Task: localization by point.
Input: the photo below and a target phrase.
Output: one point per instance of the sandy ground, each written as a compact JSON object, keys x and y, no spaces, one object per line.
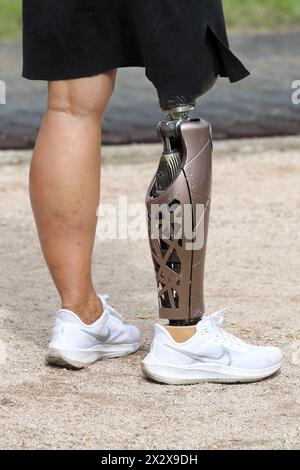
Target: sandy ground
{"x":253,"y":267}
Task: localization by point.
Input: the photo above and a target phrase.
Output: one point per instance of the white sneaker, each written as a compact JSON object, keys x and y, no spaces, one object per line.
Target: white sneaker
{"x":211,"y":355}
{"x":75,"y":344}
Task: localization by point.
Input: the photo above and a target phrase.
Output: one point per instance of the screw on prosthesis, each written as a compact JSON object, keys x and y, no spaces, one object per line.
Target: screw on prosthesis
{"x":177,"y":107}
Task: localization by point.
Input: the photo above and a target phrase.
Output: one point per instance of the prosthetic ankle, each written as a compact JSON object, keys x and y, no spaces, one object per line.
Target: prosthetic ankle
{"x":178,"y":207}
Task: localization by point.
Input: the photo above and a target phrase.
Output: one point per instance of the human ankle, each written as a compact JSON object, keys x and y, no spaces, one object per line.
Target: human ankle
{"x":89,"y":309}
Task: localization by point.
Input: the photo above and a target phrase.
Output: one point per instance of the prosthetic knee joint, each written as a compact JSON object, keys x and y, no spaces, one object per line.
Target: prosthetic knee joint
{"x":178,"y":206}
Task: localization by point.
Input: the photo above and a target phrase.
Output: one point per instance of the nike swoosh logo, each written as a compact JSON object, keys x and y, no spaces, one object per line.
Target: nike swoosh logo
{"x":98,"y":337}
{"x":199,"y":357}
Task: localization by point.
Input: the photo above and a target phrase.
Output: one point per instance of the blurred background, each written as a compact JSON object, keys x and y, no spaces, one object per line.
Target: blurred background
{"x":265,"y":34}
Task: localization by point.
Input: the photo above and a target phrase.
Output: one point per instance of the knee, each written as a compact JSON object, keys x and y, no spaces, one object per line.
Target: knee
{"x":83,"y":98}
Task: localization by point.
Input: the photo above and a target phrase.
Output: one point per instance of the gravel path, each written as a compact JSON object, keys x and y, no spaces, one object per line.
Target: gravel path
{"x":253,"y":267}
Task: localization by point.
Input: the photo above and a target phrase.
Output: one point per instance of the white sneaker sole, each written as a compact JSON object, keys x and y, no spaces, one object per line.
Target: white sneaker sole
{"x":179,"y":375}
{"x":84,"y":358}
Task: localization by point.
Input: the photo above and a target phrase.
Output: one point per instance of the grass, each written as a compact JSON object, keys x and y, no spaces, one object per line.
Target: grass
{"x":240,"y":14}
{"x":10,"y":19}
{"x":262,"y":14}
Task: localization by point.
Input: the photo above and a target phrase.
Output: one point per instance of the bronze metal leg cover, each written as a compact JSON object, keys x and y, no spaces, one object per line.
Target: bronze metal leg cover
{"x":180,"y":271}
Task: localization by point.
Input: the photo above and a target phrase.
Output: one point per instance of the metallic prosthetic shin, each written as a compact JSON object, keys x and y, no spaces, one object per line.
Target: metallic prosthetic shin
{"x":181,"y":186}
{"x":178,"y":206}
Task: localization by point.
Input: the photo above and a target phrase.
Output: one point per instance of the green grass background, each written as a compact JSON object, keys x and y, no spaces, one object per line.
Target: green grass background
{"x":240,"y":14}
{"x":10,"y":19}
{"x":262,"y":14}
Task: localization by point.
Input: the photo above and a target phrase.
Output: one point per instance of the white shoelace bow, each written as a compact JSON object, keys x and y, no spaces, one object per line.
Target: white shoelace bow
{"x":218,"y":316}
{"x":216,"y":320}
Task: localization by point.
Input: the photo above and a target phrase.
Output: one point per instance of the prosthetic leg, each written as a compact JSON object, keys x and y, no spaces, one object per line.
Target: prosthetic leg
{"x":180,"y":194}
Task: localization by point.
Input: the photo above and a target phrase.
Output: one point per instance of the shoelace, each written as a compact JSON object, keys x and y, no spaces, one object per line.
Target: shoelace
{"x":111,"y":310}
{"x":216,"y":320}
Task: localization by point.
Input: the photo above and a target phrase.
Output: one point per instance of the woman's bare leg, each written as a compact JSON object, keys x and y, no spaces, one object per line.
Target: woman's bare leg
{"x":65,"y":186}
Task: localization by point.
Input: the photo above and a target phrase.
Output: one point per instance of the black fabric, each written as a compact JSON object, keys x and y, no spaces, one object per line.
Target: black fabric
{"x":64,"y":39}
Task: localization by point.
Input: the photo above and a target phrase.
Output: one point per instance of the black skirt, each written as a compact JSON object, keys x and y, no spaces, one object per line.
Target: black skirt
{"x":67,"y":39}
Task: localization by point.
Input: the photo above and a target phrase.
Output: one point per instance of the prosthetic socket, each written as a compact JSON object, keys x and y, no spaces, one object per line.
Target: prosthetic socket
{"x":178,"y":206}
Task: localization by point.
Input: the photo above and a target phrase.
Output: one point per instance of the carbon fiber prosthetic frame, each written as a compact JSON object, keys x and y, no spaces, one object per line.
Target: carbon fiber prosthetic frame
{"x":178,"y":206}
